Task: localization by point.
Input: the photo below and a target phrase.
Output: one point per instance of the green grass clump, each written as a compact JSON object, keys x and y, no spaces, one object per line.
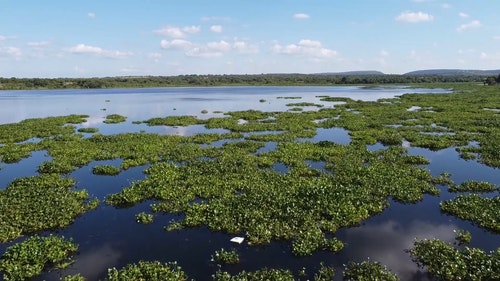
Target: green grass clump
{"x":148,"y":270}
{"x":144,"y":218}
{"x":225,"y":257}
{"x":88,"y":130}
{"x":31,"y":257}
{"x":40,"y":202}
{"x":473,"y":186}
{"x":262,"y":274}
{"x":114,"y":119}
{"x":106,"y":170}
{"x":173,"y":121}
{"x":480,"y":210}
{"x":447,"y":263}
{"x":367,"y":271}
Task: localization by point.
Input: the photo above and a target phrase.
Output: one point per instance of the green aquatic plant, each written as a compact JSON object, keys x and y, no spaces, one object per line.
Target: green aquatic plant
{"x":367,"y":271}
{"x":148,"y":270}
{"x":448,"y":263}
{"x":473,"y":186}
{"x":106,"y":170}
{"x":88,"y":130}
{"x":480,"y":210}
{"x":173,"y":121}
{"x":31,"y":257}
{"x":223,"y":256}
{"x":114,"y":119}
{"x":262,"y":274}
{"x":144,"y":218}
{"x":25,"y":207}
{"x":463,"y":236}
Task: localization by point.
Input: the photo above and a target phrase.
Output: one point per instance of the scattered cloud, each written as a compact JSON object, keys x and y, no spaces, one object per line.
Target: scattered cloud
{"x":463,"y":15}
{"x":414,"y":17}
{"x":384,"y":53}
{"x":11,"y":51}
{"x":421,"y":1}
{"x":490,"y":57}
{"x":305,"y":47}
{"x":496,"y":37}
{"x":87,"y":49}
{"x":245,"y":48}
{"x":38,"y":44}
{"x":91,"y":15}
{"x":179,"y":44}
{"x":446,"y":6}
{"x":216,"y":28}
{"x":301,"y":16}
{"x":178,"y":32}
{"x":470,"y":25}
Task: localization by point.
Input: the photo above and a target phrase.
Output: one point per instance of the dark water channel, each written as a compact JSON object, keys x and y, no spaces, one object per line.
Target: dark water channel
{"x":110,"y":237}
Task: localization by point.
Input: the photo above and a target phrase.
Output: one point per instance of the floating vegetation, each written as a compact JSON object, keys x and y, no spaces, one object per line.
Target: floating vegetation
{"x":204,"y":111}
{"x":366,"y":271}
{"x":173,"y":121}
{"x":262,"y":274}
{"x":480,"y":210}
{"x":447,"y":263}
{"x":473,"y":186}
{"x":31,"y":257}
{"x":25,"y":207}
{"x":463,"y":236}
{"x":304,"y":104}
{"x":114,"y":119}
{"x":108,"y":170}
{"x":144,"y":218}
{"x":226,"y":257}
{"x":88,"y":130}
{"x":148,"y":270}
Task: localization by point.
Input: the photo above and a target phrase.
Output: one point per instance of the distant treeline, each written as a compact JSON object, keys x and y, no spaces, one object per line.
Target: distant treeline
{"x":225,"y":80}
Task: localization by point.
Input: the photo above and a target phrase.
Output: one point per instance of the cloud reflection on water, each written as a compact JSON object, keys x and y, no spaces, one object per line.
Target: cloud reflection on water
{"x":386,"y":243}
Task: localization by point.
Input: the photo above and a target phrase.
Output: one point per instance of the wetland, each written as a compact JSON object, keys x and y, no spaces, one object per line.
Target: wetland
{"x":321,"y":183}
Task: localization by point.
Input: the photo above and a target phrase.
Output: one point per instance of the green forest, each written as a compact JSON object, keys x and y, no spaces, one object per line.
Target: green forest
{"x":233,"y":80}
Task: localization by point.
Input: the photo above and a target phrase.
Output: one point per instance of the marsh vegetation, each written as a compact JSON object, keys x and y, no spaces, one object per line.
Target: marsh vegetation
{"x":261,"y":175}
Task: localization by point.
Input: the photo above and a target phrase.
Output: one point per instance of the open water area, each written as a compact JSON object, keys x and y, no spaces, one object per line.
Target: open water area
{"x":110,"y":237}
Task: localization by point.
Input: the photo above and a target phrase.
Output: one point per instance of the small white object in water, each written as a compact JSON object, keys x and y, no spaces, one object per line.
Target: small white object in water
{"x":238,"y":240}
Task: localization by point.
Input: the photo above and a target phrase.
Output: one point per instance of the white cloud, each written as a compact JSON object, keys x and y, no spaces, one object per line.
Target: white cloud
{"x":305,"y":47}
{"x":87,"y":49}
{"x":384,"y":53}
{"x":245,"y":48}
{"x":91,"y":15}
{"x":414,"y":17}
{"x":446,"y":6}
{"x":301,"y":16}
{"x":11,"y":51}
{"x":38,"y":44}
{"x":463,"y":15}
{"x":178,"y":32}
{"x":209,"y":50}
{"x":216,"y":28}
{"x":496,"y":37}
{"x":490,"y":57}
{"x":472,"y":24}
{"x":155,"y":55}
{"x":421,"y":1}
{"x":176,"y":44}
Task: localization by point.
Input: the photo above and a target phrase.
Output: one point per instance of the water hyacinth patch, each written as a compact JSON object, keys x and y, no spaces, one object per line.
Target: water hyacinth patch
{"x":29,"y":258}
{"x":223,"y":256}
{"x":24,"y":208}
{"x":447,"y":263}
{"x":480,"y":210}
{"x":114,"y":119}
{"x":106,"y":170}
{"x":148,"y":270}
{"x":366,"y":271}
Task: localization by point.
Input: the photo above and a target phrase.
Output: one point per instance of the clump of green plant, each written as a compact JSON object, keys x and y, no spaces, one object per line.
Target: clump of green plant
{"x":148,"y":270}
{"x":223,"y":256}
{"x":304,"y":104}
{"x":173,"y":121}
{"x":480,"y":210}
{"x":76,"y":277}
{"x":262,"y":274}
{"x":325,"y":273}
{"x":114,"y":119}
{"x":463,"y":236}
{"x":144,"y":218}
{"x":88,"y":130}
{"x":447,"y":263}
{"x":204,"y":111}
{"x":366,"y":271}
{"x":31,"y":257}
{"x":106,"y":170}
{"x":25,"y":206}
{"x":473,"y":186}
{"x":262,"y":100}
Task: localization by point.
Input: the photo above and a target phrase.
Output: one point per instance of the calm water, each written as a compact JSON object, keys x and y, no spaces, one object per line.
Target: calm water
{"x":110,"y":237}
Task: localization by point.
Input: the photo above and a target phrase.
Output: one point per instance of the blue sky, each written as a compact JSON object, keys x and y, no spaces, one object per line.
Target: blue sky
{"x":97,"y":38}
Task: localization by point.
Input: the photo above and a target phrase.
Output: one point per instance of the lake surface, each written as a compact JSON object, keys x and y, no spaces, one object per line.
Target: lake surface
{"x":110,"y":237}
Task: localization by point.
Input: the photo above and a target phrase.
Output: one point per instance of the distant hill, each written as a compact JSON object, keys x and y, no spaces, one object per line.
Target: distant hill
{"x":454,"y":72}
{"x":354,"y":73}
